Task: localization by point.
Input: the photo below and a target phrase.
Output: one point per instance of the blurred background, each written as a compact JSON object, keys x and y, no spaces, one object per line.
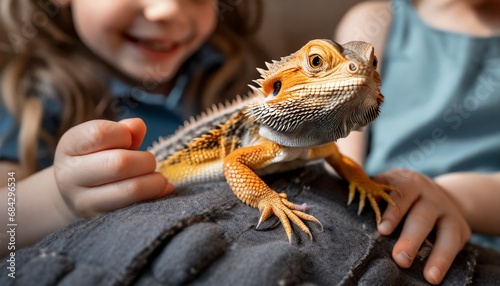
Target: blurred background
{"x":287,"y":24}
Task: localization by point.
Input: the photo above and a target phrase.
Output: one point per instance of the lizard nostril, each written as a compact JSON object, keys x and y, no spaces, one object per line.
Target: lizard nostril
{"x":353,"y":67}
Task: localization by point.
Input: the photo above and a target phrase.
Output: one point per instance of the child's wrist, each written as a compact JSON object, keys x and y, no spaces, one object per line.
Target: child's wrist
{"x":64,"y":211}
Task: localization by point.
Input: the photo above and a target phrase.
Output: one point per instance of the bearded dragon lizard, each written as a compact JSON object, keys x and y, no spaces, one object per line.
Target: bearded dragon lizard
{"x":302,"y":105}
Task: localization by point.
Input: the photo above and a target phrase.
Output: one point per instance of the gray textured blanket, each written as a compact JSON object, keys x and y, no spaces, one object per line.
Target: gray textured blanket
{"x":205,"y":236}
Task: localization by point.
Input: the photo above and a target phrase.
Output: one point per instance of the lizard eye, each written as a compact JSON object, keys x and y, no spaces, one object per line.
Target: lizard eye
{"x":375,"y":62}
{"x":276,"y":87}
{"x":315,"y":61}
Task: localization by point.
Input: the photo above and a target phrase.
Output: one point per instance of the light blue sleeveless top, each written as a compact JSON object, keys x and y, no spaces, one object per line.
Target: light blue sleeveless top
{"x":441,"y":111}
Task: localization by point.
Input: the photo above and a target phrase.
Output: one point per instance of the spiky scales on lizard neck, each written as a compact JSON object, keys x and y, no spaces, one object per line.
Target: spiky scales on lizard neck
{"x":303,"y":103}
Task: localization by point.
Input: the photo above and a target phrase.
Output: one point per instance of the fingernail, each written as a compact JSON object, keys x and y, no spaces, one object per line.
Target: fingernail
{"x":126,"y":120}
{"x":169,"y":188}
{"x":403,"y":259}
{"x":385,"y":227}
{"x":435,"y":273}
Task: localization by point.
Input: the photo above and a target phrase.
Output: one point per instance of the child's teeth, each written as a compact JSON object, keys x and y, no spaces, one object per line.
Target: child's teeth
{"x":156,"y":46}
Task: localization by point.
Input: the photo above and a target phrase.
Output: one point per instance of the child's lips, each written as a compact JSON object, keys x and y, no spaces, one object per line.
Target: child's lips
{"x":153,"y":45}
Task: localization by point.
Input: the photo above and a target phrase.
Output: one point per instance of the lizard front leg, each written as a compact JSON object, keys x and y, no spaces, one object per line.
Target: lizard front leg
{"x":250,"y":189}
{"x":357,"y":178}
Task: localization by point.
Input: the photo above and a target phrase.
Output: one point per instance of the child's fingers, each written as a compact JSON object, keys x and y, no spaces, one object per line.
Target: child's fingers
{"x":137,"y":129}
{"x":418,"y":225}
{"x":120,"y":194}
{"x":110,"y":166}
{"x":446,"y":247}
{"x":392,"y":216}
{"x":94,"y":136}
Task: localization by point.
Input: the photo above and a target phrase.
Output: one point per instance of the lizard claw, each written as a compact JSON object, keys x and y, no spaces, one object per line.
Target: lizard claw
{"x":286,"y":211}
{"x":303,"y":207}
{"x":371,"y":190}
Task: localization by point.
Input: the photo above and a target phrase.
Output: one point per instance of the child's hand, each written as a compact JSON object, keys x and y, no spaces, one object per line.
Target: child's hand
{"x":97,"y":168}
{"x":427,"y":206}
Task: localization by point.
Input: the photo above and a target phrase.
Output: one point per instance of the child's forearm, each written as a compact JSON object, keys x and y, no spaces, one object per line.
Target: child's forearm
{"x":39,"y":210}
{"x":478,"y":196}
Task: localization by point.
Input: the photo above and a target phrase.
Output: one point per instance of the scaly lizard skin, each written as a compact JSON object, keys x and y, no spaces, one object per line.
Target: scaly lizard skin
{"x":302,"y":105}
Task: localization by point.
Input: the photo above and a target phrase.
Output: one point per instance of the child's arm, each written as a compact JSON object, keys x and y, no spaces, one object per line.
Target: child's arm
{"x":478,"y":196}
{"x":96,"y":170}
{"x":357,"y":25}
{"x":7,"y":166}
{"x":39,"y":209}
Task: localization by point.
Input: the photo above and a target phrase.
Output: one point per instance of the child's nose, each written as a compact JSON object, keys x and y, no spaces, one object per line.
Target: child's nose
{"x":159,"y":10}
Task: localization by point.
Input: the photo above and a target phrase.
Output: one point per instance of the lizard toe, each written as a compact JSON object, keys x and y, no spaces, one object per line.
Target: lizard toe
{"x":286,"y":211}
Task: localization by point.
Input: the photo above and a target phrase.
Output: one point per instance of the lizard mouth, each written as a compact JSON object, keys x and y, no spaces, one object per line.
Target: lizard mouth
{"x":317,"y":117}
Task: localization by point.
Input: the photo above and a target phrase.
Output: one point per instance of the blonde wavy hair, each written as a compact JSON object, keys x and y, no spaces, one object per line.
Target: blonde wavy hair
{"x":49,"y":59}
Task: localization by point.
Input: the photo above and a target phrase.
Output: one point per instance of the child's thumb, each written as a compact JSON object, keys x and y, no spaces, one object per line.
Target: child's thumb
{"x":137,"y":129}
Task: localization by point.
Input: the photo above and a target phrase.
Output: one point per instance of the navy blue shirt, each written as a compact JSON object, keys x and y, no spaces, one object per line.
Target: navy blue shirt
{"x":162,"y":114}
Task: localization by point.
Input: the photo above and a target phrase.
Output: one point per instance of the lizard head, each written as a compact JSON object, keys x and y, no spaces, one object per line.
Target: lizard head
{"x":317,"y":94}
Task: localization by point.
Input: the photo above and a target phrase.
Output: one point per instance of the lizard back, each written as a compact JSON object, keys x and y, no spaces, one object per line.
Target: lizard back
{"x":196,"y":127}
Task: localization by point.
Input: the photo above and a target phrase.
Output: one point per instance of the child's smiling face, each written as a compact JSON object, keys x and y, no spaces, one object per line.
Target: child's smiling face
{"x":144,"y":39}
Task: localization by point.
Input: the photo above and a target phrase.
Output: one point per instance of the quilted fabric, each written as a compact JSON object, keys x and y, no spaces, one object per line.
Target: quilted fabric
{"x":205,"y":236}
